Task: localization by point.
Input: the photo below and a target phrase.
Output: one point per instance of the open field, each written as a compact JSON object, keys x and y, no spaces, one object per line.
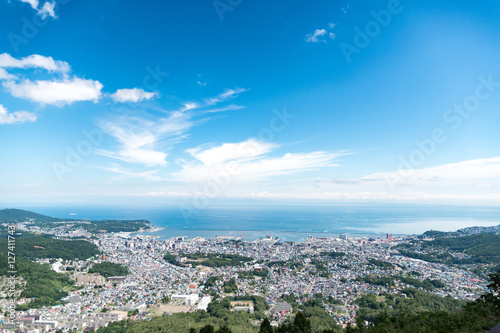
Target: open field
{"x":171,"y":309}
{"x":242,"y":303}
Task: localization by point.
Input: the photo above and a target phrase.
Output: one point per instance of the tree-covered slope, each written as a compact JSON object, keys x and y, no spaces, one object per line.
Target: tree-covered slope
{"x":11,"y":215}
{"x":108,"y":269}
{"x":43,"y":284}
{"x":94,"y":226}
{"x":31,"y":246}
{"x":482,"y":248}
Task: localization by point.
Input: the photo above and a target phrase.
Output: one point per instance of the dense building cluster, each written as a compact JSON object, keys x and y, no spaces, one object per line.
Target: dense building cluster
{"x":283,"y":273}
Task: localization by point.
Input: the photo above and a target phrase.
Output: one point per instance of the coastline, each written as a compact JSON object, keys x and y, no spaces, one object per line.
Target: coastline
{"x":251,"y":235}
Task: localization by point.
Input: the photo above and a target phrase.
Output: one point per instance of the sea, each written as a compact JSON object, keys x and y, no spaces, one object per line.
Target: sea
{"x":288,"y":222}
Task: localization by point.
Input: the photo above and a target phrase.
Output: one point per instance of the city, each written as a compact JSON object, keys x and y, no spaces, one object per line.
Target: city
{"x":335,"y":268}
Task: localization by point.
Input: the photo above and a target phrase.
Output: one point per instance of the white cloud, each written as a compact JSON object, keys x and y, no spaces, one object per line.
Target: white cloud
{"x":147,"y":157}
{"x":189,"y":106}
{"x":454,"y":173}
{"x":231,"y":93}
{"x":383,"y":196}
{"x":332,"y":35}
{"x":34,"y":61}
{"x":139,"y":137}
{"x":17,"y":117}
{"x":200,"y":82}
{"x":231,"y":151}
{"x":46,"y":10}
{"x":212,"y":101}
{"x":33,"y":3}
{"x":149,"y":175}
{"x":4,"y":75}
{"x":226,"y":95}
{"x":472,"y":180}
{"x":57,"y":92}
{"x":358,"y":196}
{"x":144,"y":139}
{"x":314,"y":37}
{"x":133,"y":95}
{"x":231,"y":107}
{"x":247,"y":161}
{"x":162,"y":194}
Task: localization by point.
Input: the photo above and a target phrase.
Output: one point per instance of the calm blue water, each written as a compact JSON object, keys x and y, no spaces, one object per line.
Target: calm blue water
{"x":290,"y":222}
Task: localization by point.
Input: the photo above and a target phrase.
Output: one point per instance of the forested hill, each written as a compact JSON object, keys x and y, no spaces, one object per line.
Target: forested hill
{"x":31,"y":246}
{"x":463,"y":232}
{"x":481,"y":230}
{"x":18,"y":215}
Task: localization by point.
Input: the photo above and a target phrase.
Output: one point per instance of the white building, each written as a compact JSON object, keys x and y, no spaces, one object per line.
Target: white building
{"x":205,"y":300}
{"x":186,"y":299}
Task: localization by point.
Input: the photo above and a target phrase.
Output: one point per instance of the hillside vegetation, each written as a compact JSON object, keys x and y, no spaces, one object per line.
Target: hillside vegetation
{"x":417,"y":312}
{"x":207,"y":259}
{"x":45,"y":285}
{"x":482,"y":248}
{"x":31,"y":246}
{"x":108,"y":269}
{"x":93,"y":226}
{"x":11,"y":215}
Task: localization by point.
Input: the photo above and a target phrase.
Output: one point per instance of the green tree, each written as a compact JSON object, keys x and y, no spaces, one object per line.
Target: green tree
{"x":493,"y":295}
{"x":223,"y":329}
{"x":207,"y":329}
{"x":301,"y":324}
{"x":265,"y":326}
{"x":108,"y":269}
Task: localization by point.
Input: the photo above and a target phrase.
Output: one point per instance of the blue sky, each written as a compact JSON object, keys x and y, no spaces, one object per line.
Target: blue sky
{"x":340,"y":101}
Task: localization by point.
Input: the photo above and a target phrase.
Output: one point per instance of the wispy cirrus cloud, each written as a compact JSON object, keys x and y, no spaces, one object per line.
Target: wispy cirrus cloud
{"x":207,"y":105}
{"x":226,"y":95}
{"x":146,"y":139}
{"x":187,"y":106}
{"x":375,"y":196}
{"x":477,"y":170}
{"x":17,"y":117}
{"x":249,"y":161}
{"x":231,"y":107}
{"x":143,"y":139}
{"x":361,"y":197}
{"x":123,"y":174}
